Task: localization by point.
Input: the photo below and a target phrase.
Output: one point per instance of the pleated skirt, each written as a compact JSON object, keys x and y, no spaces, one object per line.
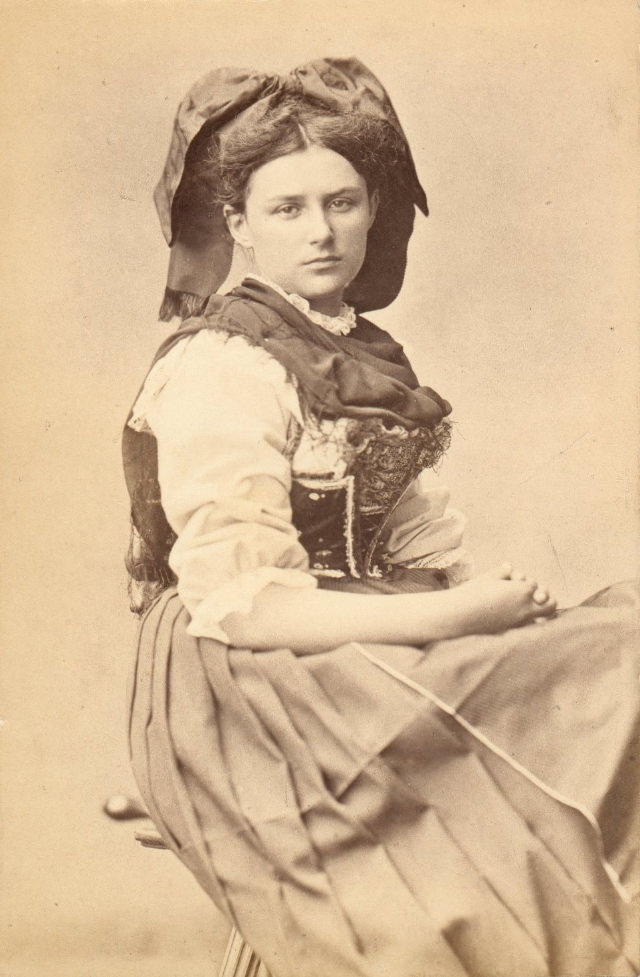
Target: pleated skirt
{"x":466,"y":809}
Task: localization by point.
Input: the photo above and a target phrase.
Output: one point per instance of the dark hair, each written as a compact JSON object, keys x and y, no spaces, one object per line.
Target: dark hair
{"x":370,"y":144}
{"x":221,"y":166}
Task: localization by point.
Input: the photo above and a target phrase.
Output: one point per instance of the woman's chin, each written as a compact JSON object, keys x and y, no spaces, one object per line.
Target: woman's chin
{"x":322,"y":288}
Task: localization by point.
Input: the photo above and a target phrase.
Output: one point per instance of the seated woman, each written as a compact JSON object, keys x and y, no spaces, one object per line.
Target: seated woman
{"x":375,"y":766}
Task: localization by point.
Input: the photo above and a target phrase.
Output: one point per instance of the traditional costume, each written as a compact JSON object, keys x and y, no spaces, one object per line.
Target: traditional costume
{"x":465,"y":809}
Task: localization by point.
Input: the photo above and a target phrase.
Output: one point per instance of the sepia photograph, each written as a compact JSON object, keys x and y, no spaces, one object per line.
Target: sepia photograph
{"x":319,"y":615}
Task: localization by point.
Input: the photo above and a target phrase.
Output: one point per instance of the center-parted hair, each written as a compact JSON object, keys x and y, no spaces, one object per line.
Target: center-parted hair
{"x":225,"y":163}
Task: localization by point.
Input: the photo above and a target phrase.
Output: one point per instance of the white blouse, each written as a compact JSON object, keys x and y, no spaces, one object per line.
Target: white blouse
{"x":231,"y":436}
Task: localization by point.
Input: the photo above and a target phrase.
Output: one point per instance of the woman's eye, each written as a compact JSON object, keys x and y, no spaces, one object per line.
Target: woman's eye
{"x":288,"y":210}
{"x":341,"y":203}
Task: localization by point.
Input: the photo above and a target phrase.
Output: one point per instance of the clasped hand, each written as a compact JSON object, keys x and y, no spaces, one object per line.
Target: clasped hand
{"x":501,"y":599}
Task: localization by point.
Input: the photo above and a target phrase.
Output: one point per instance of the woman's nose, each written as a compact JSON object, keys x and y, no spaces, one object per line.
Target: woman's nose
{"x":319,"y":227}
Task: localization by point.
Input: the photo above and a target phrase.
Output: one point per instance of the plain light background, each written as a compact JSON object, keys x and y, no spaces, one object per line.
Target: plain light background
{"x":520,"y":306}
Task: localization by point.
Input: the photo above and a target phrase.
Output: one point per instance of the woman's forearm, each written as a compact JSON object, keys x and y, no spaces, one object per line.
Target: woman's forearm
{"x":310,"y":621}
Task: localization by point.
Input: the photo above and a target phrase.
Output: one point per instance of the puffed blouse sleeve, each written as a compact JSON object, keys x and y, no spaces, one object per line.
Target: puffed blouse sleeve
{"x":425,"y":531}
{"x":222,"y":412}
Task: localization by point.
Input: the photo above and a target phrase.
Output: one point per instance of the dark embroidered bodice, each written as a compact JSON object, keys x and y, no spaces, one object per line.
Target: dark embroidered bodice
{"x":341,"y":520}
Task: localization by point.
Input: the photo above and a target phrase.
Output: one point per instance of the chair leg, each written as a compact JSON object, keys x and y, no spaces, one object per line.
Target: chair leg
{"x":240,"y":960}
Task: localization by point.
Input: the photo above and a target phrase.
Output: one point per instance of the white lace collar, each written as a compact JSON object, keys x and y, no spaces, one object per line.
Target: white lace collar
{"x":339,"y":325}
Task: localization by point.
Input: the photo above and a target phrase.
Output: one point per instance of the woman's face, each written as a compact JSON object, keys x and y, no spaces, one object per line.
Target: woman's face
{"x":306,"y":219}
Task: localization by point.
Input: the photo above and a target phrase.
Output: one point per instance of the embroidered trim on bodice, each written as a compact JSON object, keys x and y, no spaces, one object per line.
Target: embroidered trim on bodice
{"x":341,"y":512}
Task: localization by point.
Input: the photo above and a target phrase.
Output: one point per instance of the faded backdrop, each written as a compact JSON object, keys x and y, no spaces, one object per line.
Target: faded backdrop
{"x":520,"y":306}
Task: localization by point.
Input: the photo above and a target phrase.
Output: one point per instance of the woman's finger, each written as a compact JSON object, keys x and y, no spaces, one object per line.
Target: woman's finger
{"x":548,"y":609}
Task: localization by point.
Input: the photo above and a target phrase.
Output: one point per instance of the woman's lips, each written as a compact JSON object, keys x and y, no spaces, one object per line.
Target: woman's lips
{"x":325,"y":262}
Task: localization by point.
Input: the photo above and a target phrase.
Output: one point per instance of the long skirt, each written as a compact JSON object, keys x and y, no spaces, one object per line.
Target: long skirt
{"x":465,"y":809}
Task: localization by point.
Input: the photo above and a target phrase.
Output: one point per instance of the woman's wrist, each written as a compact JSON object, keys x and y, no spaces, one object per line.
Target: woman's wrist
{"x":437,"y":616}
